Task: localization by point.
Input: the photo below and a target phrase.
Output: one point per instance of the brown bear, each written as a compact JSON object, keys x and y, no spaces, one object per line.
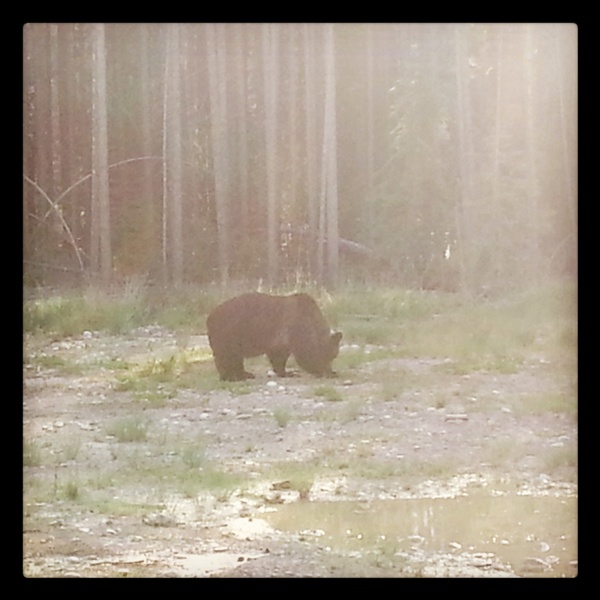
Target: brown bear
{"x":254,"y":324}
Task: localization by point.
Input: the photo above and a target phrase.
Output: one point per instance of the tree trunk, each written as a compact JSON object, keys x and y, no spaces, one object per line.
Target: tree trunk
{"x":370,"y":117}
{"x":568,"y":123}
{"x":174,"y":160}
{"x":147,"y":185}
{"x":270,"y":93}
{"x":101,"y":257}
{"x":312,"y":182}
{"x":218,"y":133}
{"x":496,"y":230}
{"x":462,"y":210}
{"x":55,"y":103}
{"x":330,"y":152}
{"x":533,"y":231}
{"x":243,"y":153}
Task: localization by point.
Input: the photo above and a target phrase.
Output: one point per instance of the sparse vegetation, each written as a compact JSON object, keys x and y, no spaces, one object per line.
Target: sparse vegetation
{"x":129,"y":429}
{"x":70,"y":315}
{"x":473,"y":335}
{"x":547,"y":403}
{"x":71,"y":448}
{"x":282,"y":416}
{"x":328,"y":392}
{"x":298,"y":475}
{"x":71,"y":490}
{"x":561,"y":457}
{"x":157,"y":431}
{"x":32,"y":455}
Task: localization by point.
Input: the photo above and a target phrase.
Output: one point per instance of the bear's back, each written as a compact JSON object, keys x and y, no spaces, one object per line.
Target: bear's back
{"x":249,"y":322}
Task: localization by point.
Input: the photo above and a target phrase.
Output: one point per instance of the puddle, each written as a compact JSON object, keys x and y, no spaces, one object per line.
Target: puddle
{"x":535,"y":536}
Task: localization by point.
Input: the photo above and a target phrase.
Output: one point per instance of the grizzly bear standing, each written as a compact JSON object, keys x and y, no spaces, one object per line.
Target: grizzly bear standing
{"x":254,"y":324}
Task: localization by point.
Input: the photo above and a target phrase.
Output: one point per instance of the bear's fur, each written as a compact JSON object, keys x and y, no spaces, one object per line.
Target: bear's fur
{"x":254,"y":324}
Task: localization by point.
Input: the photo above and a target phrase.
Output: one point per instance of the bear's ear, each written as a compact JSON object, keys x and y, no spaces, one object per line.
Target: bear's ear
{"x":336,"y":337}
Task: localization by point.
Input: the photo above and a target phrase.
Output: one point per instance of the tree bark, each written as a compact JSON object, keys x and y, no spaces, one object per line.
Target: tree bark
{"x":330,"y":145}
{"x":243,"y":153}
{"x":175,"y":158}
{"x":55,"y":103}
{"x":218,"y":134}
{"x":101,"y":256}
{"x":312,"y":183}
{"x":535,"y":263}
{"x":462,"y":210}
{"x":270,"y":94}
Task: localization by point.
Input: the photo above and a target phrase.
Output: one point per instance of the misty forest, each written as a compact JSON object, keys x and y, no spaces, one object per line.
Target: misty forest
{"x":407,"y":403}
{"x":422,"y":156}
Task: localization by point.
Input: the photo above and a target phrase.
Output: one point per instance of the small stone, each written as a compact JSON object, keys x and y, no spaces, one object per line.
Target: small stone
{"x":535,"y":565}
{"x":456,"y":417}
{"x":544,"y":547}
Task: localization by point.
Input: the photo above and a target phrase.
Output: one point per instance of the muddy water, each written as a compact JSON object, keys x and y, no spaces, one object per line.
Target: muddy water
{"x":534,"y":536}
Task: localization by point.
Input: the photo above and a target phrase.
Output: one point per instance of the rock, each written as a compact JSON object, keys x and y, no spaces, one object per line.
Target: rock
{"x":282,"y":485}
{"x":544,"y":547}
{"x":456,"y":417}
{"x":159,"y":520}
{"x":533,"y":564}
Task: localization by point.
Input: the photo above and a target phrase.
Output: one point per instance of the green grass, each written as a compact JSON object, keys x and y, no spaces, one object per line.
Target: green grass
{"x":122,"y":308}
{"x":300,"y":475}
{"x":546,"y":403}
{"x":328,"y":393}
{"x":129,"y":429}
{"x":121,"y":508}
{"x":32,"y":454}
{"x":70,"y":449}
{"x":558,"y":458}
{"x":71,"y":490}
{"x":158,"y":463}
{"x":560,"y":402}
{"x":157,"y":380}
{"x":282,"y":416}
{"x":70,"y":315}
{"x":475,"y":335}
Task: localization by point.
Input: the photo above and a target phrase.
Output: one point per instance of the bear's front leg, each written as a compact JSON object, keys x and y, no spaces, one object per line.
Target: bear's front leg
{"x":278,"y":360}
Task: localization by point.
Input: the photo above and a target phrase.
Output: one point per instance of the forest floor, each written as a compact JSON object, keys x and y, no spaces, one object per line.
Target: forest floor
{"x":397,"y":468}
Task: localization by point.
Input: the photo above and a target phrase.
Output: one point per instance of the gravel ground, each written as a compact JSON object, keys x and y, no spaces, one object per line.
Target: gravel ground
{"x":389,"y":433}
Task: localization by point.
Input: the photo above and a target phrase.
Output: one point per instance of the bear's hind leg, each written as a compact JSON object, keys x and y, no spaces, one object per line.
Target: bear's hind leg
{"x":232,"y":368}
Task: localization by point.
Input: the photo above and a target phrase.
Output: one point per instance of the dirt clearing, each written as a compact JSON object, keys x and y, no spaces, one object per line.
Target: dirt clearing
{"x":399,"y":467}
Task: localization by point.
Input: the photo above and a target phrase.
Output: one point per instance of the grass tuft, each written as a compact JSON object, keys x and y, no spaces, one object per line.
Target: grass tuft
{"x":328,"y":392}
{"x":129,"y":429}
{"x":282,"y":416}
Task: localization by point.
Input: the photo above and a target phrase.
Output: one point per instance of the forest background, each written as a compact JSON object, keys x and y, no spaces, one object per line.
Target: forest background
{"x":422,"y":156}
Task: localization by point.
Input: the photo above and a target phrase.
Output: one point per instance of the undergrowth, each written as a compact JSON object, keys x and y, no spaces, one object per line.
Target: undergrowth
{"x":376,"y":322}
